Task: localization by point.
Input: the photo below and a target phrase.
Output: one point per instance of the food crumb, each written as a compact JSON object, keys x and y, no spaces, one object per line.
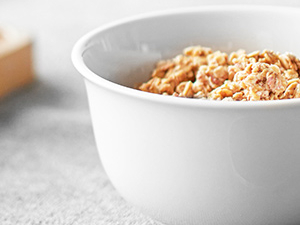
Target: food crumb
{"x":202,"y":73}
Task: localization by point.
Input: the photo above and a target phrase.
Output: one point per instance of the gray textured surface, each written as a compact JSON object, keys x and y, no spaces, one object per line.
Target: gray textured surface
{"x":50,"y":172}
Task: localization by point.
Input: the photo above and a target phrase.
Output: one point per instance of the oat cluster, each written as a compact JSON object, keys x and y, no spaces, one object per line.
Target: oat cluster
{"x":201,"y":73}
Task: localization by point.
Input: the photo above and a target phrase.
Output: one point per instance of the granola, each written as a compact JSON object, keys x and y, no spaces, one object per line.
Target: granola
{"x":201,"y":73}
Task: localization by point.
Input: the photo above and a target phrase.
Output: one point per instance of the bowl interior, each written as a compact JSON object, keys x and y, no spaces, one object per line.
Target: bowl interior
{"x":126,"y":52}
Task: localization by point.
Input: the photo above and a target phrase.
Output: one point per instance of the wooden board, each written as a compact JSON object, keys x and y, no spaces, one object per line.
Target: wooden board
{"x":16,"y":67}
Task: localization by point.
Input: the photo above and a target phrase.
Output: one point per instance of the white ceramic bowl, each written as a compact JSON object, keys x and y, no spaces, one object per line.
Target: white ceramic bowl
{"x":190,"y":161}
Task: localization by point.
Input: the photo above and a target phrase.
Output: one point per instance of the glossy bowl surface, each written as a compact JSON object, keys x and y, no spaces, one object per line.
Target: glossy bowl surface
{"x":190,"y":161}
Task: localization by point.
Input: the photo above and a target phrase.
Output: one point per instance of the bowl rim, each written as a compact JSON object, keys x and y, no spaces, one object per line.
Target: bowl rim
{"x":80,"y":46}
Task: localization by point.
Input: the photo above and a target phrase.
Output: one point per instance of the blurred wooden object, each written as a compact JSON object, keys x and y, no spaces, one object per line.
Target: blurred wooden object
{"x":16,"y":68}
